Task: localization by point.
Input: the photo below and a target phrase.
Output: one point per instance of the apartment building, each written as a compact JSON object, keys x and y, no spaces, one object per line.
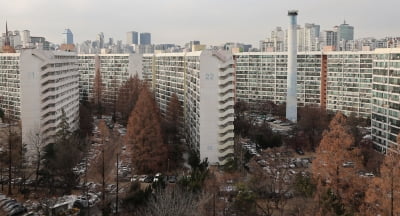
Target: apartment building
{"x":114,"y":69}
{"x":262,"y":76}
{"x":385,"y":119}
{"x":36,"y":86}
{"x":349,"y":82}
{"x":204,"y":83}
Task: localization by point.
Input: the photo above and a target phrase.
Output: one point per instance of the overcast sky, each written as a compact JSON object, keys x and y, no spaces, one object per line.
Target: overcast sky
{"x":178,"y":21}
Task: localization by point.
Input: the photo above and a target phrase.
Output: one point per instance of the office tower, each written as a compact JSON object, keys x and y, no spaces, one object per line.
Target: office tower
{"x":100,"y":40}
{"x":203,"y":82}
{"x":145,"y":38}
{"x":132,"y":38}
{"x":291,"y":99}
{"x":329,"y":40}
{"x":26,"y":38}
{"x":310,"y":38}
{"x":345,"y":32}
{"x":37,"y":86}
{"x":68,"y":37}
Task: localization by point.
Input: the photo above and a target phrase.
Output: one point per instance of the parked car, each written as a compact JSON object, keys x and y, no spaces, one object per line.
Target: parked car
{"x":148,"y":179}
{"x":172,"y":179}
{"x":142,"y":178}
{"x":299,"y":151}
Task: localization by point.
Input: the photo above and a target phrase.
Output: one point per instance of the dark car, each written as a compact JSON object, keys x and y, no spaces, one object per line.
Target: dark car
{"x":148,"y":179}
{"x":17,"y":211}
{"x":172,"y":179}
{"x":299,"y":151}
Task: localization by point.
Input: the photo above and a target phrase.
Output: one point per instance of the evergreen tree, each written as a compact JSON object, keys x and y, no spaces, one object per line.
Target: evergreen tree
{"x":149,"y":153}
{"x":63,"y":131}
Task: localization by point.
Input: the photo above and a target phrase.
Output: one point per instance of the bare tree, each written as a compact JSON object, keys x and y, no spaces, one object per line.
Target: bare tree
{"x":98,"y":88}
{"x":272,"y":181}
{"x":36,"y":140}
{"x":173,"y":201}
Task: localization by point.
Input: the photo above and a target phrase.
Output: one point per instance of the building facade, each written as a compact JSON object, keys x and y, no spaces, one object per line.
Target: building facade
{"x":114,"y":69}
{"x":36,"y":86}
{"x":145,"y":38}
{"x":385,"y":119}
{"x":132,"y":38}
{"x":349,"y":82}
{"x":204,"y":83}
{"x":262,"y":76}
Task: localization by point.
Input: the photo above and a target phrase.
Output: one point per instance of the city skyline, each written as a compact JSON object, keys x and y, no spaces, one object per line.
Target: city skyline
{"x":180,"y":21}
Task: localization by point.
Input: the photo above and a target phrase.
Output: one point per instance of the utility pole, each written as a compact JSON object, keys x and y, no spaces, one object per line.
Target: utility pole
{"x":116,"y":199}
{"x":104,"y":183}
{"x":9,"y":158}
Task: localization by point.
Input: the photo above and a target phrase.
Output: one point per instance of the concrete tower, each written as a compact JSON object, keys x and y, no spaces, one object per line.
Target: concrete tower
{"x":291,"y":98}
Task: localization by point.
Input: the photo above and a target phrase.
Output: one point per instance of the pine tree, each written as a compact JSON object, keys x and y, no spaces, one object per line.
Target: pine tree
{"x":63,"y":132}
{"x":335,"y":166}
{"x":382,"y":196}
{"x":149,"y":153}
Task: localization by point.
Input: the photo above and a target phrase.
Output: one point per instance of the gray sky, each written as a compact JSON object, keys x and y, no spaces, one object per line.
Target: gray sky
{"x":179,"y":21}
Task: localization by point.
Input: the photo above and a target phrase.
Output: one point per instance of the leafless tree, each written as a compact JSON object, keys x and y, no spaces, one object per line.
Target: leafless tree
{"x":36,"y":140}
{"x":173,"y":201}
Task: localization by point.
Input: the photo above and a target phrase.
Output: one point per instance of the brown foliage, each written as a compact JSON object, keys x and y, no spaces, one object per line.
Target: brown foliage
{"x":329,"y":168}
{"x":382,"y":196}
{"x":149,"y":153}
{"x":127,"y":97}
{"x":98,"y":88}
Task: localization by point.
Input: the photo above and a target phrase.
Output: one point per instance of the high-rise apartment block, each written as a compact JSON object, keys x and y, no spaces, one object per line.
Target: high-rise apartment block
{"x":385,"y":118}
{"x":114,"y":69}
{"x":364,"y":83}
{"x":35,"y":87}
{"x":204,"y":83}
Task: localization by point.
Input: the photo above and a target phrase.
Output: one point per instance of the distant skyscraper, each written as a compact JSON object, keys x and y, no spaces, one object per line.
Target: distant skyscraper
{"x":329,"y":38}
{"x":132,"y":38}
{"x":68,"y":37}
{"x":345,"y":32}
{"x":145,"y":38}
{"x":100,"y":39}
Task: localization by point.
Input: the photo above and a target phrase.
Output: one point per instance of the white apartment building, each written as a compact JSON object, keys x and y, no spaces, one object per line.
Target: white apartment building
{"x":262,"y":76}
{"x":36,"y":86}
{"x":349,"y":82}
{"x":385,"y":119}
{"x":114,"y":69}
{"x":204,"y":83}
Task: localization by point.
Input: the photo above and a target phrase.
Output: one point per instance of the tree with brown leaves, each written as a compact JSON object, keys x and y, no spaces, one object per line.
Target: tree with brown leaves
{"x":98,"y":88}
{"x":334,"y":169}
{"x":149,"y":153}
{"x":382,"y":196}
{"x":127,"y":97}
